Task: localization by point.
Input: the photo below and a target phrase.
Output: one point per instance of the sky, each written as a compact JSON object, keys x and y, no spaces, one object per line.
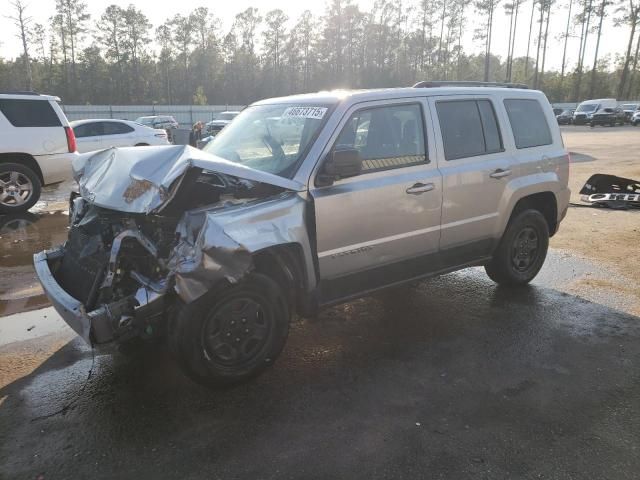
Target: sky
{"x":613,"y":39}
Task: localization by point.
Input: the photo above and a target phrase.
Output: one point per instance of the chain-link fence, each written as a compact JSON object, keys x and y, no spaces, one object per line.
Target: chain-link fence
{"x":185,"y":115}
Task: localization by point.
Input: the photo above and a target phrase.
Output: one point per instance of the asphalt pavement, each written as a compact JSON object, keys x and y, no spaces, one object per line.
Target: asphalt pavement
{"x":450,"y":378}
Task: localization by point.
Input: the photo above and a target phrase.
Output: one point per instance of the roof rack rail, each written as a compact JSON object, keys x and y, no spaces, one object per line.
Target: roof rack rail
{"x":445,"y":83}
{"x":18,"y":92}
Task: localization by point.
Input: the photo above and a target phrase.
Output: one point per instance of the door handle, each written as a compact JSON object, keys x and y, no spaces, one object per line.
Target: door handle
{"x":419,"y":188}
{"x":500,"y":173}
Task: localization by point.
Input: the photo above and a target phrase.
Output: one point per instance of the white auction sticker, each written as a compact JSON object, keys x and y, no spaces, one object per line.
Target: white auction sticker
{"x":305,"y":112}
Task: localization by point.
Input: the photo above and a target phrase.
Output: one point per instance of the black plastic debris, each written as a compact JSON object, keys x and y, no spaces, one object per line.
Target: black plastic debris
{"x":610,"y":191}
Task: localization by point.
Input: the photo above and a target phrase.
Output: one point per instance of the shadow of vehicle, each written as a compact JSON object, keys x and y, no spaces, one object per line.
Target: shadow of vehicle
{"x":457,"y":377}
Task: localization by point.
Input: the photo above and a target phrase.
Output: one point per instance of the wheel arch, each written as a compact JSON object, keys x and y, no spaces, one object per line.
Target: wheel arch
{"x":285,"y":264}
{"x":544,"y":202}
{"x":23,"y":159}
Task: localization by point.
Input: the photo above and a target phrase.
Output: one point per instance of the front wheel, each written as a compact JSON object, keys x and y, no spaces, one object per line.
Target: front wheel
{"x":521,"y":251}
{"x":19,"y":188}
{"x":231,"y":335}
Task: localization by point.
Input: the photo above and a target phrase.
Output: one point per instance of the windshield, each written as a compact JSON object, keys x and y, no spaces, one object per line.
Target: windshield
{"x":587,"y":107}
{"x":629,"y":106}
{"x":270,"y":138}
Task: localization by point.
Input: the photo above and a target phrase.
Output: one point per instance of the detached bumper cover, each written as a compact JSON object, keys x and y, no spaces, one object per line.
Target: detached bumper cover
{"x":94,"y":327}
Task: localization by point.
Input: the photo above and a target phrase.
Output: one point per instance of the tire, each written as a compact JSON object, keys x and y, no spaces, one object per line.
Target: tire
{"x":516,"y":262}
{"x":204,"y":335}
{"x":19,"y":188}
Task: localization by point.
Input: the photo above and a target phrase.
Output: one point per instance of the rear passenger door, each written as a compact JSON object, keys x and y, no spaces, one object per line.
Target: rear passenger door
{"x":117,"y":134}
{"x":388,"y":213}
{"x":475,"y":170}
{"x":89,"y":136}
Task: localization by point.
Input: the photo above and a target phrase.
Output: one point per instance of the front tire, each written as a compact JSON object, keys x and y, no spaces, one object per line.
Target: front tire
{"x":521,"y":251}
{"x":231,"y":335}
{"x":19,"y":188}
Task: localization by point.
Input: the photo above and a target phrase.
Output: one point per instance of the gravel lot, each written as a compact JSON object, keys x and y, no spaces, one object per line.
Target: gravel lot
{"x":450,"y":378}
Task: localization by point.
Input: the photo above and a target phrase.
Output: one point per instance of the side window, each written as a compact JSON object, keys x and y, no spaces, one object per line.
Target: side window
{"x":529,"y":125}
{"x":29,"y":113}
{"x":386,"y":137}
{"x":93,"y":129}
{"x":469,"y":128}
{"x":116,"y":128}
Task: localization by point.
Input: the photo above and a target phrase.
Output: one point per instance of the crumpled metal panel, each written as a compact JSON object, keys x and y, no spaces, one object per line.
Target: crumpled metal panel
{"x":144,"y":179}
{"x":218,"y":245}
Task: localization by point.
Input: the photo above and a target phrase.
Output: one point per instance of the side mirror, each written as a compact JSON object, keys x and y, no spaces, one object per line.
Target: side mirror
{"x":342,"y":162}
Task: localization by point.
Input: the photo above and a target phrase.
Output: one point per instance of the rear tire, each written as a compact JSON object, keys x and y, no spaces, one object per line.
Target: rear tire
{"x":19,"y":188}
{"x":232,"y":334}
{"x":521,"y":251}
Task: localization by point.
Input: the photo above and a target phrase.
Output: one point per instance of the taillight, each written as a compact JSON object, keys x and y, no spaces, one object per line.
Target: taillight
{"x":71,"y":139}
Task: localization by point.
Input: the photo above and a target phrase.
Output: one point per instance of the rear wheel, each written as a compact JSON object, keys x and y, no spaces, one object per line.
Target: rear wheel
{"x":521,"y":251}
{"x":232,"y":335}
{"x":19,"y":188}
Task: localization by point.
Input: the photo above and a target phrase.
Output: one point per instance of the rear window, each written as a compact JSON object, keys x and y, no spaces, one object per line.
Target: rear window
{"x":29,"y":113}
{"x":528,"y":123}
{"x":469,"y":128}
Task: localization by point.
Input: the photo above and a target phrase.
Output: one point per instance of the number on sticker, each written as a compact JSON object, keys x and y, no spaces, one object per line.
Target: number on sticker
{"x":305,"y":112}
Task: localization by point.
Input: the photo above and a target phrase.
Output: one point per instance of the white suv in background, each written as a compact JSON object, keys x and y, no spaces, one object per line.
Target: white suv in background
{"x":98,"y":134}
{"x":37,"y":146}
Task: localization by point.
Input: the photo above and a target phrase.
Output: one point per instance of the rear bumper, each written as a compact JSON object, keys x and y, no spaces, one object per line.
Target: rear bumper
{"x":99,"y":326}
{"x":56,"y":167}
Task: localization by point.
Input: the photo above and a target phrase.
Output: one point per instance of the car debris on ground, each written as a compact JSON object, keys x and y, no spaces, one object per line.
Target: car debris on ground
{"x":610,"y":191}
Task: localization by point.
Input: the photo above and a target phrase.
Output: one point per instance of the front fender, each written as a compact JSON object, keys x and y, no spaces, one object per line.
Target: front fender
{"x":217,"y":245}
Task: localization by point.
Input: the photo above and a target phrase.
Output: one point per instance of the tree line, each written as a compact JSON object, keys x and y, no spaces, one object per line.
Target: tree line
{"x":120,"y":58}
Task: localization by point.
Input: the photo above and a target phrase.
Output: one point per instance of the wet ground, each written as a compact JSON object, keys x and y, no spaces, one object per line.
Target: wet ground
{"x":451,"y":378}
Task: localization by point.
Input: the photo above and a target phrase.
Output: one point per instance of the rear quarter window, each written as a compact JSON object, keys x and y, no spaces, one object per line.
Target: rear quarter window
{"x":528,"y":123}
{"x":29,"y":113}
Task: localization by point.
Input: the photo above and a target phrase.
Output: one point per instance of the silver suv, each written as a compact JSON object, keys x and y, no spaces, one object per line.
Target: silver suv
{"x":304,"y":202}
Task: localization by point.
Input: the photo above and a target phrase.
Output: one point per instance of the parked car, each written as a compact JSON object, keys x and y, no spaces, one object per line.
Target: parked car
{"x":557,"y":111}
{"x":608,"y":116}
{"x":357,"y":191}
{"x":37,"y":146}
{"x":214,"y":126}
{"x":565,"y":117}
{"x":635,"y":120}
{"x":97,"y":134}
{"x":165,"y":122}
{"x":585,"y":111}
{"x":629,"y":109}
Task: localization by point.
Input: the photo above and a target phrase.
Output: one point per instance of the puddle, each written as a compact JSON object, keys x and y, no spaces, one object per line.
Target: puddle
{"x":22,"y":235}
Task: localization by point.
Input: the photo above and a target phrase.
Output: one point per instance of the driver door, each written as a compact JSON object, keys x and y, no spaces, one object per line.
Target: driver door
{"x":379,"y":227}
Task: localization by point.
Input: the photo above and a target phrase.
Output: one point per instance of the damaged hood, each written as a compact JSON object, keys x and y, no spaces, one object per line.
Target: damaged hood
{"x":143,"y":180}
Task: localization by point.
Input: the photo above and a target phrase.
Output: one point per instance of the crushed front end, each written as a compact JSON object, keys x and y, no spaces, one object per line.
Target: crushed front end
{"x":109,"y":281}
{"x":150,"y":227}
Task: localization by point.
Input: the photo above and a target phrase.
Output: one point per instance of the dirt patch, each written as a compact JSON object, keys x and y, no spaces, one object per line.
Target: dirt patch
{"x":608,"y":236}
